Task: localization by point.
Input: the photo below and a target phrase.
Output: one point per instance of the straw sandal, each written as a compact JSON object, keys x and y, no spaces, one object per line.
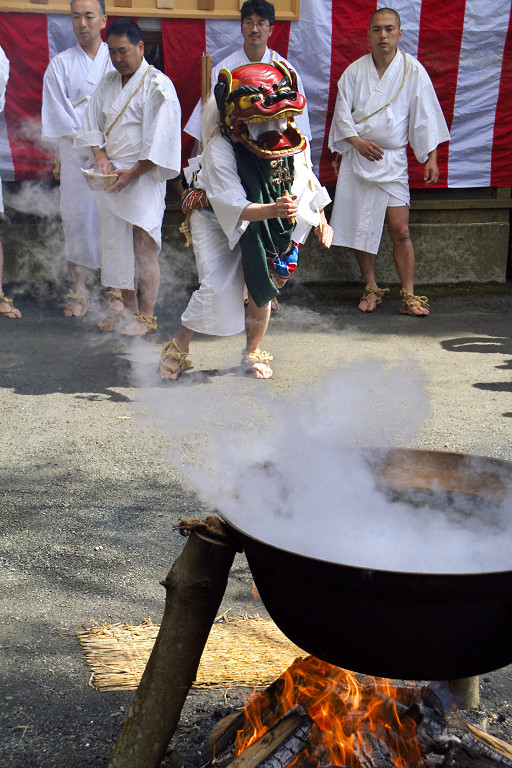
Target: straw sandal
{"x":148,"y":323}
{"x":257,"y":363}
{"x":171,"y":351}
{"x":114,"y":315}
{"x":377,"y":295}
{"x":409,"y":300}
{"x":82,"y":301}
{"x":11,"y":311}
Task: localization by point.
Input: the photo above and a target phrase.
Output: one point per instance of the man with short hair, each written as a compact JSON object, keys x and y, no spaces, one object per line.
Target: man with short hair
{"x":68,"y":83}
{"x":132,"y":126}
{"x":257,"y":18}
{"x":385,"y":100}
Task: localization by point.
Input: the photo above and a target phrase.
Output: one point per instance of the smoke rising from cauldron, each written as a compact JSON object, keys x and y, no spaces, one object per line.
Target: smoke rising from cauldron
{"x":293,"y":473}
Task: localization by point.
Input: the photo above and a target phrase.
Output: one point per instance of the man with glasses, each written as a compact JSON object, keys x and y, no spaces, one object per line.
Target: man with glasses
{"x":257,"y":23}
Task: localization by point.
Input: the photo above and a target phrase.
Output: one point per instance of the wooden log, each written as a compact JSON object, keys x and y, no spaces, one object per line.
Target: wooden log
{"x":280,"y":745}
{"x":194,"y":586}
{"x":465,"y":692}
{"x":471,"y":747}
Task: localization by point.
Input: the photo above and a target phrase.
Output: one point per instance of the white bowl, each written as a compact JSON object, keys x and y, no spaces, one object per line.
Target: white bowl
{"x":99,"y":181}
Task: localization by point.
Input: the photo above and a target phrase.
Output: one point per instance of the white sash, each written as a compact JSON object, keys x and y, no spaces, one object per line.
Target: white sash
{"x":121,"y":102}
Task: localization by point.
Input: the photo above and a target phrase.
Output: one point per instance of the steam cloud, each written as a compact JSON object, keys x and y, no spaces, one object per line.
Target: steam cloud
{"x":292,"y":472}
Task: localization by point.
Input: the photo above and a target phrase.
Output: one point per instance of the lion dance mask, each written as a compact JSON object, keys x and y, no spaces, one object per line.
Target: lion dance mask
{"x":258,"y":104}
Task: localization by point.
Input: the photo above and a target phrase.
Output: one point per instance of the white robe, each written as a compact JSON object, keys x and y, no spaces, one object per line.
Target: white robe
{"x":364,"y":187}
{"x":217,"y":307}
{"x":238,"y":59}
{"x":68,"y":83}
{"x":4,"y":77}
{"x":148,"y":129}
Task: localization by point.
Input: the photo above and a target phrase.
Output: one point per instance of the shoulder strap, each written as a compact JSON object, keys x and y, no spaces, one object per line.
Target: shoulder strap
{"x":367,"y":117}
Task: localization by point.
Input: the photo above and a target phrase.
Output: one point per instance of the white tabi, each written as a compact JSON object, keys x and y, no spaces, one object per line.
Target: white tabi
{"x":140,"y":121}
{"x":4,"y":77}
{"x":239,"y":59}
{"x":365,"y":187}
{"x":217,"y":307}
{"x":68,"y":83}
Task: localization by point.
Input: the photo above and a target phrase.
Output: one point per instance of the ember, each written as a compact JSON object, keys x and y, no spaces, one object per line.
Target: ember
{"x":320,"y":716}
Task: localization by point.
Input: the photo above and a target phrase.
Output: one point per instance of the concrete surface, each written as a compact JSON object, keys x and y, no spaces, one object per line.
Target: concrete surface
{"x":91,"y":484}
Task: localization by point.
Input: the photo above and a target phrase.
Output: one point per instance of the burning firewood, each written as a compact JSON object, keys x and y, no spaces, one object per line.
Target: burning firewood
{"x":361,"y":723}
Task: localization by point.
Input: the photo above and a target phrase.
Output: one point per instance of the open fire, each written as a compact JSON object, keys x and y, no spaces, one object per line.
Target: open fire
{"x":320,"y":716}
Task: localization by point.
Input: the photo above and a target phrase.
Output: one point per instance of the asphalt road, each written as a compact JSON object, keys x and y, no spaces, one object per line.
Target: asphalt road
{"x":98,"y":461}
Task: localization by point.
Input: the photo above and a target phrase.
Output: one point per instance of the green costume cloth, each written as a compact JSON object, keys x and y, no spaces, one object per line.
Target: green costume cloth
{"x":272,"y":236}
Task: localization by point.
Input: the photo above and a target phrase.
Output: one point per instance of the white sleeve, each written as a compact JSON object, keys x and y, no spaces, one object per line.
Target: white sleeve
{"x":220,"y":180}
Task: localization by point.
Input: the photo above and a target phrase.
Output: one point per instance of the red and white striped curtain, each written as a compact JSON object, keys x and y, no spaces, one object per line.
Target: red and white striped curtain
{"x":466,"y":46}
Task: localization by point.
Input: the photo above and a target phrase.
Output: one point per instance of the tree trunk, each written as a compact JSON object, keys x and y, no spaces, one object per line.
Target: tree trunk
{"x":195,"y":586}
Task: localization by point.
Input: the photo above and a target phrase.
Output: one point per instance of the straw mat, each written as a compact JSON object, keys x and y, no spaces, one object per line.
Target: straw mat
{"x":240,"y":651}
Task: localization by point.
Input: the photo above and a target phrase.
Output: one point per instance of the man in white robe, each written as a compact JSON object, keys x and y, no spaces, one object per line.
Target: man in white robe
{"x":257,"y":19}
{"x":6,"y":305}
{"x":132,"y":126}
{"x":385,"y":100}
{"x":68,"y":83}
{"x":247,"y":220}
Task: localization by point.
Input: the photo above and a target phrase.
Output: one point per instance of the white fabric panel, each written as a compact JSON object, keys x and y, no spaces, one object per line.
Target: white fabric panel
{"x":313,"y":33}
{"x":60,"y":33}
{"x":222,"y":38}
{"x":410,"y":11}
{"x":483,"y":41}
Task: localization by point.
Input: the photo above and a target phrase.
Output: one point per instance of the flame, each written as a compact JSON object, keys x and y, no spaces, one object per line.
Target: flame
{"x":347,"y":716}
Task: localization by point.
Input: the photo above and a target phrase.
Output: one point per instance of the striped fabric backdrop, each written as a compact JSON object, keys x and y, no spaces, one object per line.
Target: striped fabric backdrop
{"x":466,"y":46}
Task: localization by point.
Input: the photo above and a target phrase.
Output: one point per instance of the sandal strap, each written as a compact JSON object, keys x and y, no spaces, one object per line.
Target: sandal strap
{"x":377,"y":292}
{"x":171,"y":351}
{"x":410,"y":300}
{"x":113,"y":296}
{"x":257,"y":357}
{"x":74,"y":298}
{"x":5,"y":300}
{"x":148,"y":320}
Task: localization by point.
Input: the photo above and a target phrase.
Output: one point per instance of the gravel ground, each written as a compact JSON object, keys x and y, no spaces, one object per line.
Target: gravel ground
{"x":92,"y":485}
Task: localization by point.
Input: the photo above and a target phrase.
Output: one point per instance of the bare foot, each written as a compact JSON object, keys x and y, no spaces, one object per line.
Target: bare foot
{"x":170,"y":369}
{"x":115,"y":312}
{"x":173,"y":360}
{"x":76,"y":305}
{"x":8,"y":310}
{"x":371,"y":298}
{"x":368,"y":303}
{"x":416,"y":306}
{"x":140,"y":326}
{"x":257,"y":364}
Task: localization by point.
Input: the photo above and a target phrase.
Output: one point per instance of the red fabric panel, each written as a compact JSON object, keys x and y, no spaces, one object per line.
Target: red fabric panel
{"x":24,"y":38}
{"x":349,"y":41}
{"x":184,"y":42}
{"x":280,"y":38}
{"x":439,"y":50}
{"x":501,"y":161}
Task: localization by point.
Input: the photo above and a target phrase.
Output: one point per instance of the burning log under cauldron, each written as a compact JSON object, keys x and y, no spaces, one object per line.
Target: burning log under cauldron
{"x":316,"y":715}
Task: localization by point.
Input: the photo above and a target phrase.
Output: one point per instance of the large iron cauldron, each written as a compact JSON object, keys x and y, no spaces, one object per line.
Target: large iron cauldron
{"x":395,"y":624}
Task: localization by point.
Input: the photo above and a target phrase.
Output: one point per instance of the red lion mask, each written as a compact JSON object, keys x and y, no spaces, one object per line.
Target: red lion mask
{"x":258,"y":104}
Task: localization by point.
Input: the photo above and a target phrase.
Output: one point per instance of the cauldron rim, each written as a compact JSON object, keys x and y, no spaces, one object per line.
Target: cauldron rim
{"x":378,"y":455}
{"x":365,"y":568}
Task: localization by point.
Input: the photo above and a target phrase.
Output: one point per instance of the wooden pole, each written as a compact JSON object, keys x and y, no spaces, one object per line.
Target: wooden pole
{"x":195,"y":586}
{"x":206,"y":77}
{"x":465,"y":691}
